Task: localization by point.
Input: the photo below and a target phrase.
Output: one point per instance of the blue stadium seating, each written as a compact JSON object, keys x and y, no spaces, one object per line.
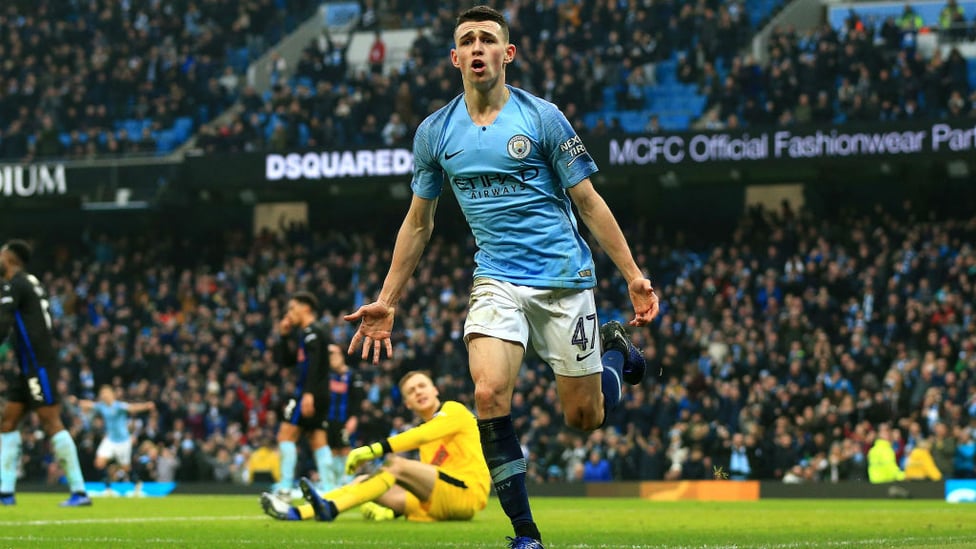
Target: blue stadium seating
{"x":166,"y":140}
{"x":676,"y":104}
{"x":759,"y":10}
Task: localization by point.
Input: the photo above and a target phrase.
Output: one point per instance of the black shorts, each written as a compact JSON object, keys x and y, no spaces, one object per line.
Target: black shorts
{"x":337,"y":436}
{"x":292,"y":413}
{"x":33,"y":391}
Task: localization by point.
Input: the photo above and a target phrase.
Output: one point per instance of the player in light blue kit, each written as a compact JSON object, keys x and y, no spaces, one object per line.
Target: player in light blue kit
{"x":116,"y":445}
{"x":517,"y":168}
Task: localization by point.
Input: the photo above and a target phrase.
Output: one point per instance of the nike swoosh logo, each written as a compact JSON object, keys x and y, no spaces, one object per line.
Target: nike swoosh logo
{"x":584,"y":357}
{"x":452,"y":155}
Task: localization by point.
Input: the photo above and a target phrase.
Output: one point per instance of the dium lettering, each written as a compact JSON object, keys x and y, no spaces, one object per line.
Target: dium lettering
{"x":32,"y":180}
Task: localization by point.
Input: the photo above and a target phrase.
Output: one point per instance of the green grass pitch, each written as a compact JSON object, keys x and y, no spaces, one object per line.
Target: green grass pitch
{"x":235,"y":521}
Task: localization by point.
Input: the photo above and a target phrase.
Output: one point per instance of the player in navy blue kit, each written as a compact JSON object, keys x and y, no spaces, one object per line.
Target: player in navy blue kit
{"x":24,"y":311}
{"x":517,"y":169}
{"x":307,"y":408}
{"x":347,"y":390}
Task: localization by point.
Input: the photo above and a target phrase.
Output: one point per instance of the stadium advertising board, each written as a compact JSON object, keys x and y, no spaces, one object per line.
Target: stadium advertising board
{"x":794,"y":143}
{"x":25,"y":181}
{"x":257,"y":170}
{"x":960,"y":491}
{"x":619,"y":155}
{"x":81,"y":181}
{"x":338,"y":164}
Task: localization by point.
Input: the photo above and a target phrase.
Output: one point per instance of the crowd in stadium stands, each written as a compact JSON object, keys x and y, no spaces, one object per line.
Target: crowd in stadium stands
{"x":782,"y":349}
{"x":112,"y":76}
{"x":567,"y":53}
{"x":571,"y":53}
{"x":826,"y":77}
{"x":159,"y":71}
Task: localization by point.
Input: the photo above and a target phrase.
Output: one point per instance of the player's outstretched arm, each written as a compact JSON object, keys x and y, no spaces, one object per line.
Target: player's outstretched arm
{"x":376,"y":318}
{"x":140,"y":407}
{"x":597,"y":217}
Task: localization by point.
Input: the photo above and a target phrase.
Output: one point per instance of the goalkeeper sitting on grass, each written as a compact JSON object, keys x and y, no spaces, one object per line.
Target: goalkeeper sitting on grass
{"x":450,"y":482}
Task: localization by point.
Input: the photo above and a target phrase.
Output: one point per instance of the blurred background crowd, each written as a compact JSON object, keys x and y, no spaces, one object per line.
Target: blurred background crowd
{"x":82,"y":79}
{"x":784,"y":348}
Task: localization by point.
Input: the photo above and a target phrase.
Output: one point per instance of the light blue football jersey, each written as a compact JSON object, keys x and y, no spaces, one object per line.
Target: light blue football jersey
{"x":510,"y":179}
{"x":116,"y":420}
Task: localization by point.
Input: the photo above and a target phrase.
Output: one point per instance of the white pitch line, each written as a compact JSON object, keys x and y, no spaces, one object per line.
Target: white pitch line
{"x":888,"y":542}
{"x":131,"y":520}
{"x":385,"y":543}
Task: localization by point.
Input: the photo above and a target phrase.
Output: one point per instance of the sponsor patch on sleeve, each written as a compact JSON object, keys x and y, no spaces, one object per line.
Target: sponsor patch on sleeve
{"x":573,"y":148}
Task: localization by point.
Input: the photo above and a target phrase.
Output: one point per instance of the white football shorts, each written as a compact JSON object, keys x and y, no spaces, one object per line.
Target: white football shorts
{"x":121,"y":452}
{"x":561,"y":323}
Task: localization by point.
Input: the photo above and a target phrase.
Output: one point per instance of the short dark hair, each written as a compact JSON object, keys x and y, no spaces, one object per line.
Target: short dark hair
{"x":412,"y":374}
{"x":483,"y":13}
{"x":307,"y":298}
{"x":21,"y":250}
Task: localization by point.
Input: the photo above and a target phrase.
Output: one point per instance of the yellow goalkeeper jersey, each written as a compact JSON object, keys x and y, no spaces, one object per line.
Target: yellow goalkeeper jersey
{"x":450,"y":440}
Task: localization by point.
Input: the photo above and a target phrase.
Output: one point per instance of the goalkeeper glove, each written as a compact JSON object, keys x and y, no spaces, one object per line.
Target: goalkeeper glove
{"x":377,"y":512}
{"x":363,"y":454}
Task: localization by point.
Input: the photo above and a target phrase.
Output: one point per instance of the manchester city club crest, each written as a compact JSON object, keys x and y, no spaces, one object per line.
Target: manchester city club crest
{"x":519,"y":147}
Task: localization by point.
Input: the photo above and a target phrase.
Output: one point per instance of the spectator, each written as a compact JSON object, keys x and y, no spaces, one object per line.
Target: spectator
{"x":596,"y":468}
{"x":910,"y":20}
{"x":695,"y":466}
{"x":377,"y":54}
{"x":944,"y":450}
{"x":920,"y":465}
{"x":952,"y":20}
{"x":803,"y":114}
{"x":395,"y":131}
{"x":964,"y":461}
{"x":47,"y":143}
{"x":882,"y":463}
{"x":738,"y":466}
{"x":167,"y":465}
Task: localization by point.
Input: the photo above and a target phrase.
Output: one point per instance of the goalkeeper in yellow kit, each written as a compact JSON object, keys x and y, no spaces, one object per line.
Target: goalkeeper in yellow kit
{"x":450,"y":482}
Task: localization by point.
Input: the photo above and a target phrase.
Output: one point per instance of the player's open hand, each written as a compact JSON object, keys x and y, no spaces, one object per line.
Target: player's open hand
{"x":284,"y":327}
{"x":645,"y":301}
{"x":374,"y":330}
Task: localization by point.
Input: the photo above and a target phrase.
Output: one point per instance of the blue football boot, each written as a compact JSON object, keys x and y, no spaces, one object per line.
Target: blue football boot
{"x":613,"y":336}
{"x":524,"y":542}
{"x":323,"y":509}
{"x":77,"y":499}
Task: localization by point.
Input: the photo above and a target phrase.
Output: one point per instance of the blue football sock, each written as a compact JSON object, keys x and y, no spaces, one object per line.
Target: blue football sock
{"x":613,"y":363}
{"x":323,"y":462}
{"x":339,"y":471}
{"x":67,"y":454}
{"x":289,"y":457}
{"x":9,"y":458}
{"x":507,"y":466}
